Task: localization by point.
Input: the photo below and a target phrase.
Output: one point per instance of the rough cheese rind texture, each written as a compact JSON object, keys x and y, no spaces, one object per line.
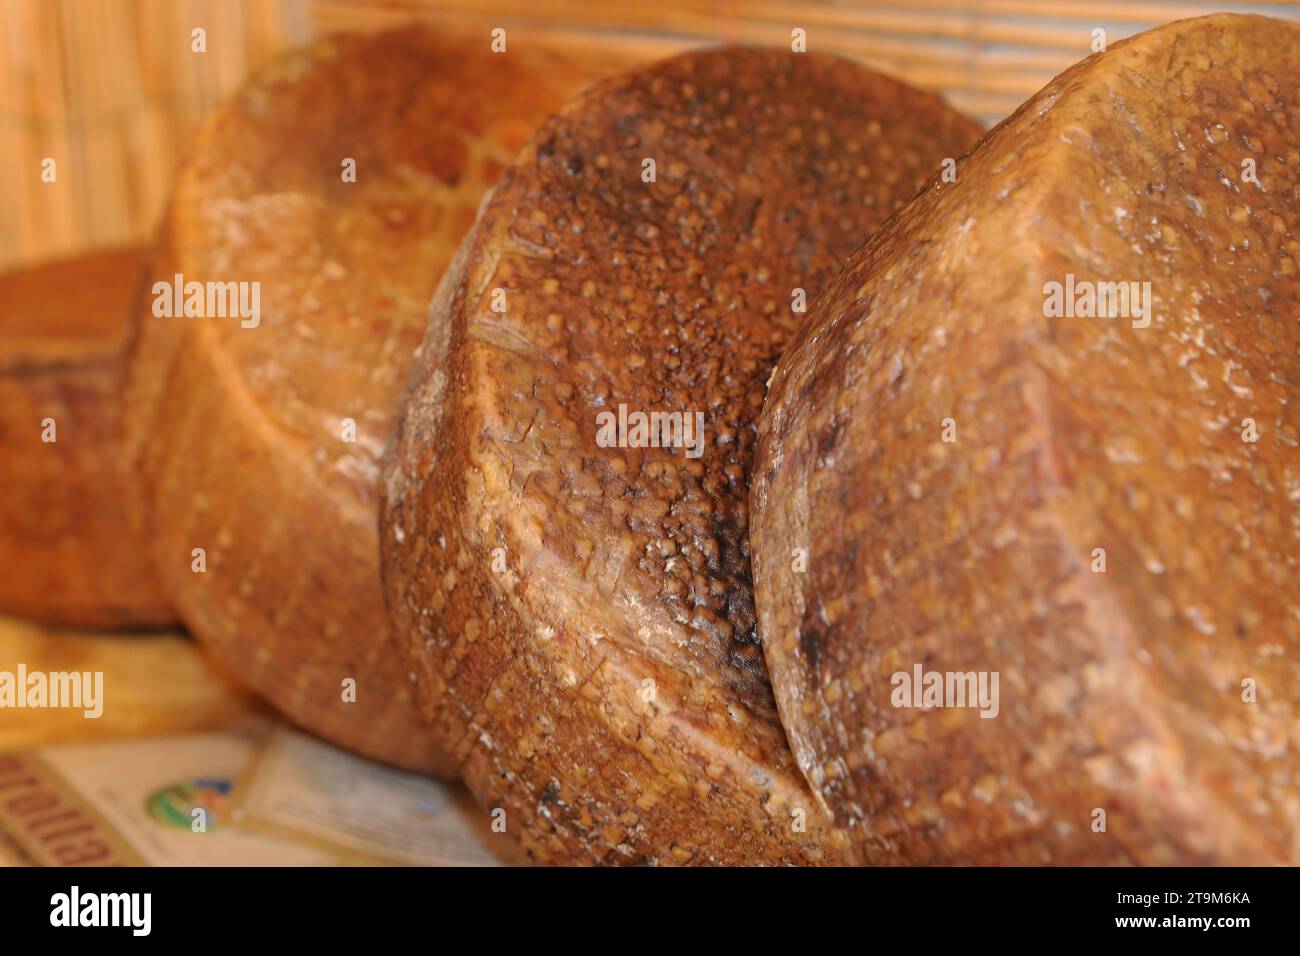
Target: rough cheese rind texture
{"x":579,"y":615}
{"x":67,"y":549}
{"x":261,"y":444}
{"x":1067,"y":501}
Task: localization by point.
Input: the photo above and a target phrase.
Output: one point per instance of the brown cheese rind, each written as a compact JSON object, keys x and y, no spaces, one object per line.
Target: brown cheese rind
{"x":68,"y":552}
{"x":1126,"y":729}
{"x":580,"y":616}
{"x":241,"y":434}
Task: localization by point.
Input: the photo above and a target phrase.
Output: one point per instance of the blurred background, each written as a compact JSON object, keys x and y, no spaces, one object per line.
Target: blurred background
{"x":111,"y":89}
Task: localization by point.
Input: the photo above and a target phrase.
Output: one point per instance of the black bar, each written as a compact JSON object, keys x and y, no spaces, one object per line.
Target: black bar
{"x":582,"y":909}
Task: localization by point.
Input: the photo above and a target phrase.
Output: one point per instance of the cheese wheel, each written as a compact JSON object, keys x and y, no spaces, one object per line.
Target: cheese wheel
{"x":68,"y":553}
{"x":1043,"y":430}
{"x":308,"y":230}
{"x":573,"y":592}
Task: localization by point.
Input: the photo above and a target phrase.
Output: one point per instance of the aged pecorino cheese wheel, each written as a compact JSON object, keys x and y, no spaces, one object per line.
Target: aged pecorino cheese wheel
{"x":1039,"y":443}
{"x":68,"y":553}
{"x":574,"y":591}
{"x":308,"y":231}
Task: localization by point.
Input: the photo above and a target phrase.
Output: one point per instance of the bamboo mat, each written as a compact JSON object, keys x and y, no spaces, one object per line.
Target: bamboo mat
{"x":985,"y":56}
{"x":112,"y":90}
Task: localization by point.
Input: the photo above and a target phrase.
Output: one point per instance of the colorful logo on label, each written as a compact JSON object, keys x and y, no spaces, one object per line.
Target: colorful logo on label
{"x":174,"y":806}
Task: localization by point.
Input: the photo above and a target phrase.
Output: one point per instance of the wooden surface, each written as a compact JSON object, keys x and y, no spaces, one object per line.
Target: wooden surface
{"x":113,"y":92}
{"x":153,"y":684}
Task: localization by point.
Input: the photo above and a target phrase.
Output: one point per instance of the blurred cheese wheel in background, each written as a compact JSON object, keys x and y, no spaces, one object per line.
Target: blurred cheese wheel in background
{"x":330,"y":193}
{"x":67,"y":551}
